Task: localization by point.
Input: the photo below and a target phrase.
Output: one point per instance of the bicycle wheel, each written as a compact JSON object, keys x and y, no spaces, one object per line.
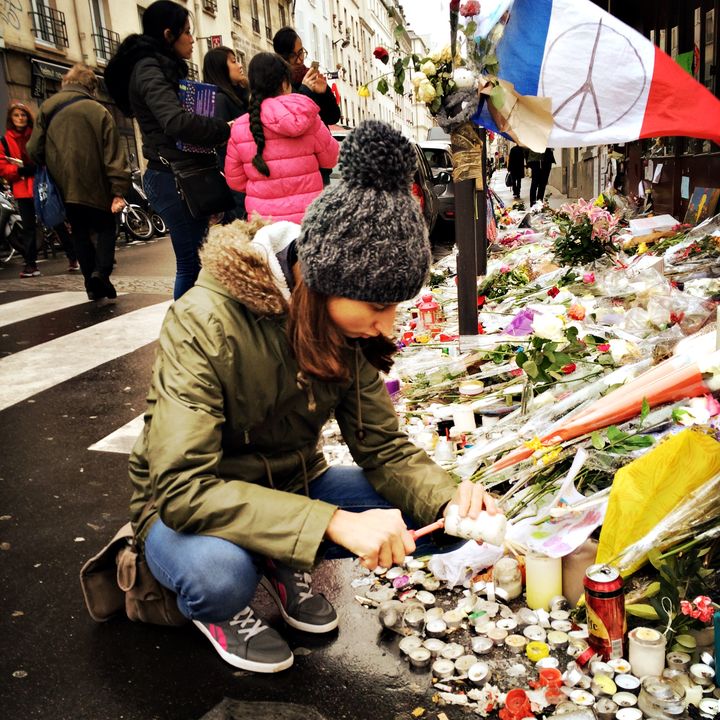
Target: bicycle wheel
{"x":138,"y":223}
{"x":158,"y":224}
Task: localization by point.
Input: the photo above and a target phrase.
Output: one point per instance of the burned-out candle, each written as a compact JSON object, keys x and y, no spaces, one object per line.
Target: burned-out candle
{"x":464,"y":663}
{"x":436,"y":628}
{"x":443,"y":668}
{"x":420,"y":657}
{"x":482,"y":645}
{"x":452,"y":651}
{"x":434,"y":645}
{"x":515,"y":643}
{"x":479,"y":673}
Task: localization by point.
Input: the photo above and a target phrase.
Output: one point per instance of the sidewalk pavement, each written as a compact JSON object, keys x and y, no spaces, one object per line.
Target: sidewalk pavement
{"x":497,"y":183}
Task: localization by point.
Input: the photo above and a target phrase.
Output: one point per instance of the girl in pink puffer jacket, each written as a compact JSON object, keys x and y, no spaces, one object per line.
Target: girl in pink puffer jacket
{"x":275,"y":152}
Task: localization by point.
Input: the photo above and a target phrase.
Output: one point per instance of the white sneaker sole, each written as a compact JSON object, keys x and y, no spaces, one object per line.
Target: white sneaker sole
{"x":242,"y":663}
{"x":292,"y":622}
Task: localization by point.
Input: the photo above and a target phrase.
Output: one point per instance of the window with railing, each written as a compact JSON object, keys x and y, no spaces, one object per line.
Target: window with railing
{"x":105,"y":43}
{"x":268,"y":23}
{"x":210,"y":6}
{"x":255,"y":14}
{"x":283,"y":14}
{"x":193,"y":71}
{"x":48,"y":24}
{"x":235,"y":7}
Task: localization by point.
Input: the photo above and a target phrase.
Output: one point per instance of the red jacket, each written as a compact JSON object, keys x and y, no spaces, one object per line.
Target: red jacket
{"x":22,"y":187}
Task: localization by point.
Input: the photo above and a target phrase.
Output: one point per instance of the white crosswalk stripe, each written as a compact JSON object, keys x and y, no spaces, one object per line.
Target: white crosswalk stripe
{"x":44,"y":366}
{"x":32,"y":307}
{"x":121,"y":440}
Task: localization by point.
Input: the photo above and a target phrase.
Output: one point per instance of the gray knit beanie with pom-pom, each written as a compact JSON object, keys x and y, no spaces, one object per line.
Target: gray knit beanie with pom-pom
{"x":365,"y":238}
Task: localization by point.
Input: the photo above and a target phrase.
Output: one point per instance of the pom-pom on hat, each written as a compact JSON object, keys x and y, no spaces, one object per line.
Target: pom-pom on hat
{"x":365,"y":238}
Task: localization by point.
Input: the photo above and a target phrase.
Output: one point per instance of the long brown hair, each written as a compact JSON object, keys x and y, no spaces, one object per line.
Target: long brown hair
{"x":320,"y":348}
{"x":18,"y":106}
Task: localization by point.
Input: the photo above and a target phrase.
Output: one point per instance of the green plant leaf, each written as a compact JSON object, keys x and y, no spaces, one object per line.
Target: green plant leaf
{"x":382,"y":86}
{"x":605,"y":359}
{"x":641,"y":610}
{"x":531,"y":369}
{"x":678,"y":413}
{"x":645,"y":410}
{"x":614,"y":434}
{"x":597,"y":440}
{"x":640,"y":441}
{"x":652,"y":589}
{"x":521,"y":358}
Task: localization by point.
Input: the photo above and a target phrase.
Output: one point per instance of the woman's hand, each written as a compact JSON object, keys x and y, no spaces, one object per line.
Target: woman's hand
{"x":472,"y":498}
{"x":377,"y":537}
{"x":315,"y":81}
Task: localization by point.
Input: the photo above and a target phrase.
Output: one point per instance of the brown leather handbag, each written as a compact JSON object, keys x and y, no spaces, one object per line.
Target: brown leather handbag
{"x":118,"y":580}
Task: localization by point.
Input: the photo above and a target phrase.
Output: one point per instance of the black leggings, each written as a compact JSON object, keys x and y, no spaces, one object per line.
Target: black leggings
{"x":26,"y":206}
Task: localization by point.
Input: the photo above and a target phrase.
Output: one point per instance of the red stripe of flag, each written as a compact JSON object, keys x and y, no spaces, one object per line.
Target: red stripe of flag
{"x":678,"y":104}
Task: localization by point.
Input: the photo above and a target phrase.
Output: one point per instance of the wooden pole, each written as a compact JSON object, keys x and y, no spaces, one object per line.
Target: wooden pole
{"x":481,"y":215}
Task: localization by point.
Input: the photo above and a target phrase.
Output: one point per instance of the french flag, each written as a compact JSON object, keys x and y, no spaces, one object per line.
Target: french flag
{"x":607,"y":83}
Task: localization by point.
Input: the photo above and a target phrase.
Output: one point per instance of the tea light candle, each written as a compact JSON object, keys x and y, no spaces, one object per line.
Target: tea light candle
{"x":525,"y":616}
{"x":434,"y":645}
{"x":559,"y":615}
{"x":559,"y":602}
{"x":709,"y":707}
{"x":482,"y":645}
{"x":497,"y":635}
{"x":412,"y":563}
{"x":557,"y":639}
{"x":598,"y":667}
{"x":543,"y":579}
{"x":547,"y":662}
{"x":453,"y":618}
{"x":564,"y":626}
{"x":603,"y":685}
{"x":434,"y":613}
{"x":678,"y":661}
{"x":629,"y":713}
{"x":543,"y":618}
{"x":582,"y":698}
{"x":431,"y":583}
{"x":625,"y":699}
{"x":426,"y":598}
{"x":620,"y":665}
{"x":443,"y":668}
{"x":581,"y":634}
{"x":419,"y":657}
{"x":479,"y":673}
{"x":629,"y":683}
{"x":394,"y":572}
{"x":702,"y":674}
{"x":435,"y":628}
{"x":534,"y":632}
{"x":515,"y":643}
{"x":536,"y":650}
{"x":647,"y":651}
{"x":409,"y":643}
{"x":605,"y":709}
{"x":452,"y":651}
{"x":464,"y":663}
{"x":414,"y":616}
{"x":508,"y":624}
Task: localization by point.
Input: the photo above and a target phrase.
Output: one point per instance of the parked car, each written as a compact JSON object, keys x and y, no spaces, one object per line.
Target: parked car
{"x":422,"y":186}
{"x":437,"y":153}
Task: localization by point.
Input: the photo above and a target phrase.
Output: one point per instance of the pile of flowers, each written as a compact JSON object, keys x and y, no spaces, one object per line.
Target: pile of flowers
{"x":587,"y":233}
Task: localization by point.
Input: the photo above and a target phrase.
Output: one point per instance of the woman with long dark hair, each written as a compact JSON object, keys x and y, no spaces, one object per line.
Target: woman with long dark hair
{"x":17,"y":169}
{"x":276,"y":151}
{"x":222,"y":69}
{"x":143,"y":78}
{"x":286,"y":326}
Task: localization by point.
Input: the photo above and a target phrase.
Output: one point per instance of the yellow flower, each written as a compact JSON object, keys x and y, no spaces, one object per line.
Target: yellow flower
{"x":642,"y":248}
{"x":363,"y":91}
{"x":551,"y":456}
{"x":534,"y":444}
{"x":428,"y":67}
{"x":426,"y":92}
{"x":600,"y":202}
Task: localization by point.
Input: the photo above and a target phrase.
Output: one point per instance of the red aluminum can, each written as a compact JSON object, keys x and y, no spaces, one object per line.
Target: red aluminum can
{"x":605,"y":602}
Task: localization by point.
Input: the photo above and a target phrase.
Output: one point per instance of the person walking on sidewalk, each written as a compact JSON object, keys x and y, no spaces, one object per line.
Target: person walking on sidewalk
{"x":276,"y":151}
{"x":143,"y":77}
{"x":548,"y":160}
{"x":17,"y":169}
{"x":286,"y":326}
{"x":82,"y":150}
{"x":516,"y":169}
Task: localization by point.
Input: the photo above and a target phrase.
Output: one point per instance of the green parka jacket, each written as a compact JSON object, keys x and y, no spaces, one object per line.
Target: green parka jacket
{"x":231,"y":432}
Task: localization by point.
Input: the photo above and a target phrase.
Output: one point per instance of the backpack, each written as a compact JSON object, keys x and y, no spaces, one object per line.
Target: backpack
{"x":49,"y":205}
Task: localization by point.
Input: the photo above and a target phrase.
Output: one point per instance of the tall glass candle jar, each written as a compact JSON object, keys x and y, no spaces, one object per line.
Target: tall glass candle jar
{"x":647,"y":652}
{"x":543,"y":579}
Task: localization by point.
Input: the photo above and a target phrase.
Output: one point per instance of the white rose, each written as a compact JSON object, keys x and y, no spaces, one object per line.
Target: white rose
{"x":622,"y":349}
{"x":417,"y":78}
{"x":426,"y":92}
{"x":428,"y":67}
{"x":435,"y":56}
{"x":464,"y":79}
{"x":549,"y":327}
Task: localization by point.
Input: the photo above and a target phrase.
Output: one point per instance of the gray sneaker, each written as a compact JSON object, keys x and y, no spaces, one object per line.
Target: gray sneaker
{"x":247,"y":643}
{"x":299,"y":606}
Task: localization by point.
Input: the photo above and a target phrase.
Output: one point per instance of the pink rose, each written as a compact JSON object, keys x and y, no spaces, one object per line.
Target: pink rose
{"x":553,"y":291}
{"x":589,"y":278}
{"x":603,"y":347}
{"x":470,"y":9}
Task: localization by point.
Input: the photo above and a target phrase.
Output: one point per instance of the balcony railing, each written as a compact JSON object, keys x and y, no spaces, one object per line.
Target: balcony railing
{"x":256,"y":25}
{"x":210,"y":6}
{"x":49,"y":26}
{"x":106,"y":43}
{"x":235,"y":6}
{"x":268,"y":32}
{"x":193,"y":71}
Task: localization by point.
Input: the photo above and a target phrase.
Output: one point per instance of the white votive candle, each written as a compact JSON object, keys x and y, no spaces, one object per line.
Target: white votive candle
{"x":463,"y":418}
{"x":647,"y":652}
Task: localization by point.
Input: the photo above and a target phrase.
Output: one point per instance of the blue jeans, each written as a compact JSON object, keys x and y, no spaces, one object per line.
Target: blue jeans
{"x":214,"y":579}
{"x":186,"y":232}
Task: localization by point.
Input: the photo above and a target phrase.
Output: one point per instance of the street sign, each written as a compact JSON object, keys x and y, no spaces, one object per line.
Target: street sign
{"x":214,"y":41}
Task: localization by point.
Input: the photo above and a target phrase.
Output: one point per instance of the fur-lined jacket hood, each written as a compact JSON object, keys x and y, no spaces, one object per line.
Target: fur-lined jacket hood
{"x":250,"y":260}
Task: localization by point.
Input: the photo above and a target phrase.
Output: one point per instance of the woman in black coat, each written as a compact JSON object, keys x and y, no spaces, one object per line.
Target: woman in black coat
{"x":144,"y":80}
{"x":222,"y":69}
